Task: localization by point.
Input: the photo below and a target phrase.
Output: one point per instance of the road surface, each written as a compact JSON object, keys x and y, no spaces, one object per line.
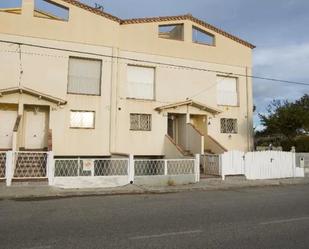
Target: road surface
{"x":272,"y":217}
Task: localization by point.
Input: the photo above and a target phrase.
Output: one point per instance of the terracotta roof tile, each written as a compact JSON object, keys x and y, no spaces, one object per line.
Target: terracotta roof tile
{"x":187,"y":17}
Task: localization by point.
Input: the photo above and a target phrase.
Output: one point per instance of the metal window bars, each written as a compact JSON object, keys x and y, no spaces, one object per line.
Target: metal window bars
{"x":229,"y":125}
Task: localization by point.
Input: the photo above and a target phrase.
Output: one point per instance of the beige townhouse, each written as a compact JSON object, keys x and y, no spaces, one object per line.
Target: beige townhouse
{"x":81,"y":82}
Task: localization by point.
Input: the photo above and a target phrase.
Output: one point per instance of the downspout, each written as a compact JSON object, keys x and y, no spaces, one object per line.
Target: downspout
{"x":248,"y":112}
{"x":113,"y":100}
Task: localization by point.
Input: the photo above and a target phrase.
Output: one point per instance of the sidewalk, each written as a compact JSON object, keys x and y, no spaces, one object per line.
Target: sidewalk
{"x":42,"y":192}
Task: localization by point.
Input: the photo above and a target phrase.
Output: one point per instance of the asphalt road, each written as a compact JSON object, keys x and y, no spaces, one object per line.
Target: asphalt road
{"x":276,"y":217}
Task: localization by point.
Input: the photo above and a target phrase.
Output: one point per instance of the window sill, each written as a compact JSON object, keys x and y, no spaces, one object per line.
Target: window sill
{"x":141,"y":100}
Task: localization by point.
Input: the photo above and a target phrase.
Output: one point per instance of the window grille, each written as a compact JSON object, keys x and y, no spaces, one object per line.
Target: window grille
{"x":229,"y":125}
{"x":82,"y":119}
{"x":140,"y":122}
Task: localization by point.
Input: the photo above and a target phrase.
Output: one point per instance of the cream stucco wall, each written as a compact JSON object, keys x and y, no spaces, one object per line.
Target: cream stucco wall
{"x":43,"y":59}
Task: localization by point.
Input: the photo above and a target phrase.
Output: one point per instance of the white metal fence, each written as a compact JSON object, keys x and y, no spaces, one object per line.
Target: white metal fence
{"x":91,"y":167}
{"x":302,"y":160}
{"x":153,"y":167}
{"x":210,"y":164}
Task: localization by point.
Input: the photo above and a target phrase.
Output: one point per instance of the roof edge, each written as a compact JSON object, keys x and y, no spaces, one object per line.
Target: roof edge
{"x":33,"y":93}
{"x":187,"y":17}
{"x":159,"y":19}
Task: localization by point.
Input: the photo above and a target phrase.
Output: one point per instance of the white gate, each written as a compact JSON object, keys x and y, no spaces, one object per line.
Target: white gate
{"x":269,"y":165}
{"x":260,"y":164}
{"x":232,"y":163}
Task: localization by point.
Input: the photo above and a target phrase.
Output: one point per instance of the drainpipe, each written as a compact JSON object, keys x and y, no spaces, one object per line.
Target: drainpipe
{"x":249,"y":116}
{"x":113,"y":101}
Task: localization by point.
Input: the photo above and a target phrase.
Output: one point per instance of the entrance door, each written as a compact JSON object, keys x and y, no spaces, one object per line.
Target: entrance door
{"x":7,"y":122}
{"x":36,"y":127}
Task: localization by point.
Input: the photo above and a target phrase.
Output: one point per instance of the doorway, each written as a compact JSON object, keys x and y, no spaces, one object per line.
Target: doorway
{"x":36,"y":123}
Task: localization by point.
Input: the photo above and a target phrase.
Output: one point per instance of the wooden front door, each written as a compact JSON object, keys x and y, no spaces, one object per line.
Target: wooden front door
{"x":7,"y":122}
{"x":36,"y":128}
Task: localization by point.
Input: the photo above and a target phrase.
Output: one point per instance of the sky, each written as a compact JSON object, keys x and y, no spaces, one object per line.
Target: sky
{"x":279,"y":29}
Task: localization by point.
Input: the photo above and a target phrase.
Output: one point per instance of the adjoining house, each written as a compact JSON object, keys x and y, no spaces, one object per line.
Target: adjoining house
{"x":81,"y":82}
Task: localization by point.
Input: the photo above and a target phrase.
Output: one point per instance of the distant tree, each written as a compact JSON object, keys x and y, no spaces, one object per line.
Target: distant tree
{"x":287,"y":119}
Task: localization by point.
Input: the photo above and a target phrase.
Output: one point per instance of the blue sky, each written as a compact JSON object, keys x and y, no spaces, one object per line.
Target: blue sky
{"x":279,"y":29}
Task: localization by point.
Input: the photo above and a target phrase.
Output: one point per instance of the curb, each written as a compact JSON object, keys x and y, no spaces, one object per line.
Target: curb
{"x":144,"y":190}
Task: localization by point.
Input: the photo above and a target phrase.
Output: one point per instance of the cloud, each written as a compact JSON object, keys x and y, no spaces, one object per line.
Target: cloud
{"x":288,"y":62}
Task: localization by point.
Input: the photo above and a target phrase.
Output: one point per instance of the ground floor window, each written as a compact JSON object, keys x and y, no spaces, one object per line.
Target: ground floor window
{"x":140,"y":122}
{"x":228,"y":125}
{"x":82,"y":119}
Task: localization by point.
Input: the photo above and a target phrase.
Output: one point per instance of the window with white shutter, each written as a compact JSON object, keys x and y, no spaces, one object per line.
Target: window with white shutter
{"x":84,"y":76}
{"x":140,"y":82}
{"x":227,"y":91}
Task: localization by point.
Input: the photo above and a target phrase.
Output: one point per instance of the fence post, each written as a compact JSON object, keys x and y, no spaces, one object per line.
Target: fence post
{"x":165,"y":167}
{"x":9,"y":167}
{"x":50,"y":168}
{"x":293,"y":151}
{"x":131,"y":169}
{"x":221,"y":167}
{"x":197,"y":167}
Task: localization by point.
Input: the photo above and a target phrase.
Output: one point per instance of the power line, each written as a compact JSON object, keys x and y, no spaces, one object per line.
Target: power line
{"x":160,"y":63}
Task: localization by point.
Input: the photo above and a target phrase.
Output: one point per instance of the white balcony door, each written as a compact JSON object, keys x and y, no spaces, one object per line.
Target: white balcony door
{"x":7,"y":122}
{"x":36,"y":128}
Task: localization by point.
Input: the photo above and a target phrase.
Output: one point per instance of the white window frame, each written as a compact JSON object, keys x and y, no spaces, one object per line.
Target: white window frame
{"x":100,"y":80}
{"x":223,"y":97}
{"x":130,"y":95}
{"x":82,"y":126}
{"x":139,"y":126}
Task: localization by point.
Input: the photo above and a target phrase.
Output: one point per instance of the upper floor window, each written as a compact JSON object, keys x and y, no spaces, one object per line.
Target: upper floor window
{"x":140,"y":82}
{"x":140,"y":122}
{"x":173,"y":31}
{"x":50,"y":10}
{"x":10,"y":6}
{"x":228,"y":125}
{"x":227,"y":91}
{"x":202,"y":37}
{"x":82,"y":119}
{"x":84,"y":76}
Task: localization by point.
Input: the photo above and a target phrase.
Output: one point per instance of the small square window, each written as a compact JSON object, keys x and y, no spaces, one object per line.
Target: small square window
{"x":140,"y":122}
{"x":174,"y":32}
{"x":82,"y":119}
{"x":229,"y":125}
